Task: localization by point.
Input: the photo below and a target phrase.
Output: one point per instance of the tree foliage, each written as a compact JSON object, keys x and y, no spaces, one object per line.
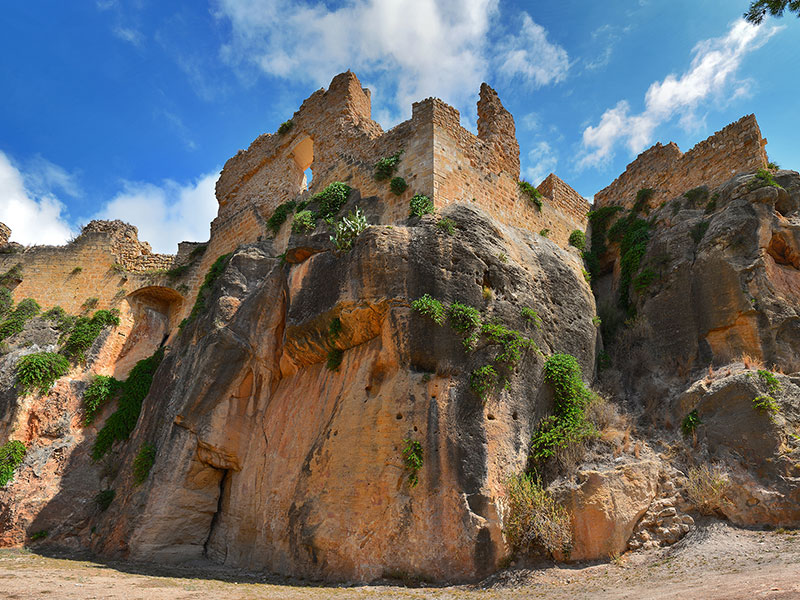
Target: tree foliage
{"x":759,"y":8}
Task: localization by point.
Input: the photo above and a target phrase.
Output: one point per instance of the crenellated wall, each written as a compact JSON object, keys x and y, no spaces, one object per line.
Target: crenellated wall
{"x":737,"y":148}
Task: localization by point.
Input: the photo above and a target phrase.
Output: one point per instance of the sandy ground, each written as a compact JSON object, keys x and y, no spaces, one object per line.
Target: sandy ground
{"x":716,"y":561}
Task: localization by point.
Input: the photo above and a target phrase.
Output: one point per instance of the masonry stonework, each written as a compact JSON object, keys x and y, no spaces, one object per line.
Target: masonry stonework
{"x":737,"y":148}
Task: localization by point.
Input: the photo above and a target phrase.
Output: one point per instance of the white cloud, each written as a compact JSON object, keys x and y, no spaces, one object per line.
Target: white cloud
{"x":531,"y":56}
{"x":543,"y":160}
{"x":420,"y":47}
{"x":128,"y":34}
{"x":166,"y":214}
{"x":35,"y":217}
{"x":711,"y":76}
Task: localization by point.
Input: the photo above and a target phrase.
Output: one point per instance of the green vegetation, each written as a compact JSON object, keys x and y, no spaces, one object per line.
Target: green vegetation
{"x":285,"y":127}
{"x":76,"y":270}
{"x":430,"y":307}
{"x":676,"y":207}
{"x":534,"y":519}
{"x":531,"y":317}
{"x":331,"y":199}
{"x":6,"y":301}
{"x":706,"y":487}
{"x":634,"y":236}
{"x":759,"y":9}
{"x":642,"y":198}
{"x":643,"y":280}
{"x":463,"y":318}
{"x":599,"y":220}
{"x":279,"y":216}
{"x":11,"y":455}
{"x":304,"y":222}
{"x":603,"y":360}
{"x":12,"y":276}
{"x":39,"y":535}
{"x":763,"y":178}
{"x":766,"y":404}
{"x":89,"y":304}
{"x":446,"y":225}
{"x":335,"y":328}
{"x":15,"y":321}
{"x":544,"y":232}
{"x":502,"y":257}
{"x":386,"y":166}
{"x":698,"y":231}
{"x":697,"y":196}
{"x":101,"y":389}
{"x":348,"y":229}
{"x":63,"y":322}
{"x":769,"y":379}
{"x":413,"y":456}
{"x":597,"y":321}
{"x":578,"y":239}
{"x":143,"y":462}
{"x":483,"y":381}
{"x":205,"y":289}
{"x":712,"y":204}
{"x":534,"y":196}
{"x":773,"y":166}
{"x":104,"y":499}
{"x":420,"y":205}
{"x":568,"y":424}
{"x":129,"y":404}
{"x":334,"y":359}
{"x":39,"y":371}
{"x":85,"y":331}
{"x":398,"y":185}
{"x":690,"y":423}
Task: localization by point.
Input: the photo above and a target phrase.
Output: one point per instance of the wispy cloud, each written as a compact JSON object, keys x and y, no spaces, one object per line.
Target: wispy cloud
{"x":711,"y":76}
{"x":542,"y":160}
{"x":415,"y":48}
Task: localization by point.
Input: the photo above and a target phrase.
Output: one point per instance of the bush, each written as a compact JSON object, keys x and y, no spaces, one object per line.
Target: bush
{"x":285,"y":127}
{"x":133,"y":391}
{"x":698,"y":230}
{"x":304,"y":222}
{"x":512,"y":343}
{"x":578,"y":239}
{"x":104,"y":499}
{"x":463,"y":318}
{"x":15,"y":321}
{"x":568,"y":424}
{"x":531,"y":317}
{"x":85,"y":331}
{"x":334,"y":359}
{"x":420,"y":205}
{"x":446,"y":225}
{"x":766,"y":404}
{"x":143,"y":462}
{"x":398,"y":185}
{"x":100,"y":390}
{"x":386,"y":166}
{"x":544,"y":232}
{"x":690,"y":423}
{"x":712,"y":204}
{"x":335,"y":328}
{"x":12,"y":454}
{"x":534,"y":519}
{"x":39,"y":371}
{"x":763,"y":178}
{"x":279,"y":216}
{"x":769,"y":379}
{"x":39,"y":535}
{"x":697,"y":196}
{"x":483,"y":380}
{"x":63,"y":321}
{"x":348,"y":229}
{"x":706,"y":487}
{"x":205,"y":289}
{"x":331,"y":199}
{"x":643,"y":280}
{"x":599,"y":220}
{"x":642,"y":198}
{"x":430,"y":307}
{"x":413,"y":457}
{"x":534,"y":196}
{"x":6,"y":301}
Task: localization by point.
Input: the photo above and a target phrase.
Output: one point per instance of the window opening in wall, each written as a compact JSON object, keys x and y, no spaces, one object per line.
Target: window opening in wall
{"x":309,"y":177}
{"x":302,"y":152}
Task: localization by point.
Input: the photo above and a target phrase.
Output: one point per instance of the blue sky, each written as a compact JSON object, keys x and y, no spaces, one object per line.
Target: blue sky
{"x":129,"y":109}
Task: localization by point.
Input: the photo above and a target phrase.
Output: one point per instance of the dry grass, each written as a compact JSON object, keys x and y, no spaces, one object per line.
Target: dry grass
{"x":706,"y":487}
{"x":751,"y":362}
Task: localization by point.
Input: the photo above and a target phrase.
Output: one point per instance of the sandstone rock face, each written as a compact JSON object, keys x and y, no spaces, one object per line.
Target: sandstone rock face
{"x":267,"y":459}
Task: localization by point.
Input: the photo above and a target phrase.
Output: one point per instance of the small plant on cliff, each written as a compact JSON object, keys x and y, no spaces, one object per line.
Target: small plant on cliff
{"x":205,"y":289}
{"x":706,"y":487}
{"x":334,"y":361}
{"x":568,"y":424}
{"x":420,"y":205}
{"x":766,"y":404}
{"x":12,"y":276}
{"x":285,"y":127}
{"x":348,"y":229}
{"x":143,"y":462}
{"x":279,"y":216}
{"x":641,"y":203}
{"x":11,"y":455}
{"x":331,"y":199}
{"x":463,"y":318}
{"x":304,"y":222}
{"x":89,"y":304}
{"x":15,"y":321}
{"x":697,"y":196}
{"x":690,"y":423}
{"x":599,"y":220}
{"x":698,"y":231}
{"x":413,"y":457}
{"x":544,"y":232}
{"x":712,"y":204}
{"x":578,"y":239}
{"x":101,"y":389}
{"x":335,"y":328}
{"x":430,"y":307}
{"x":763,"y":178}
{"x":531,"y":317}
{"x":85,"y":332}
{"x":104,"y":499}
{"x":39,"y":371}
{"x":398,"y":185}
{"x":6,"y":301}
{"x":483,"y":380}
{"x":386,"y":166}
{"x":534,"y":195}
{"x":533,"y":519}
{"x":133,"y":391}
{"x":446,"y":225}
{"x":643,"y":280}
{"x":59,"y":317}
{"x":39,"y":535}
{"x":773,"y":166}
{"x":634,"y":236}
{"x":769,"y":379}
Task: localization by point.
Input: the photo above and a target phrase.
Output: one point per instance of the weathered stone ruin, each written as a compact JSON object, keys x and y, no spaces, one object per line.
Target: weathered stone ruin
{"x":356,"y":414}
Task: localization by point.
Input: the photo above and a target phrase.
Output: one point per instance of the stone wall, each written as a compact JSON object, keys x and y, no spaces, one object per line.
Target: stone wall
{"x":5,"y":233}
{"x":737,"y":148}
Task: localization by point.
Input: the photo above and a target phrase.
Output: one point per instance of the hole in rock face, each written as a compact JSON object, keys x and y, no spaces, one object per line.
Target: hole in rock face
{"x":782,"y":251}
{"x":399,"y":416}
{"x":415,"y":428}
{"x":490,"y":416}
{"x":514,"y":415}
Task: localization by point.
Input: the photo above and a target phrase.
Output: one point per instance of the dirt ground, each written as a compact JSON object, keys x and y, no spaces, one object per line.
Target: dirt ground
{"x":715,"y":561}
